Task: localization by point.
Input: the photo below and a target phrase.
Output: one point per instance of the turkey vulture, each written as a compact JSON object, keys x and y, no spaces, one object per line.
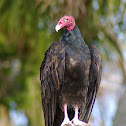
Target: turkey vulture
{"x":70,"y":76}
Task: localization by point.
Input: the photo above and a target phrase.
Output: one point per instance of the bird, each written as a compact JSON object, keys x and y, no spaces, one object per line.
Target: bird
{"x":70,"y":75}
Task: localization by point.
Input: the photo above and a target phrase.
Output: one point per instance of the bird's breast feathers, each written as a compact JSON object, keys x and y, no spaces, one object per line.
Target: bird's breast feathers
{"x":73,"y":62}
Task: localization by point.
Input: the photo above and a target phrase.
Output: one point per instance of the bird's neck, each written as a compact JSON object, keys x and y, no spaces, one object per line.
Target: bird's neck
{"x":72,"y":37}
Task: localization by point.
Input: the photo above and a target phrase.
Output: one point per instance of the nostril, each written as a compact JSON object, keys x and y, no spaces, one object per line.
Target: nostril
{"x":60,"y":22}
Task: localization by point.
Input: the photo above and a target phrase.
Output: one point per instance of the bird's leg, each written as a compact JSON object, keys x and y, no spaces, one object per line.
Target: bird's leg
{"x":76,"y":120}
{"x":66,"y":118}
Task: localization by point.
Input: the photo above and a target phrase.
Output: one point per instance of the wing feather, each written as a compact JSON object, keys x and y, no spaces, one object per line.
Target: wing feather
{"x":52,"y":77}
{"x":94,"y":81}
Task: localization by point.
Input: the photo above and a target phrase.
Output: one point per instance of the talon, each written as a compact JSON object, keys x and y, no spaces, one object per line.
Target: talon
{"x":66,"y":120}
{"x":76,"y":121}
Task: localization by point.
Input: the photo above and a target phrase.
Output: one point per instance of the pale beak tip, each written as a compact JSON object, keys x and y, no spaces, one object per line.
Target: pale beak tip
{"x":57,"y":28}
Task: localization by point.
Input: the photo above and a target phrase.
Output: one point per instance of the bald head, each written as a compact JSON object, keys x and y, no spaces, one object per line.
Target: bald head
{"x":67,"y":22}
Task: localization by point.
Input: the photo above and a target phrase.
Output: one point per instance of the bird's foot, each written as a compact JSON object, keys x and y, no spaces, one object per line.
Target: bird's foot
{"x":66,"y":121}
{"x":78,"y":122}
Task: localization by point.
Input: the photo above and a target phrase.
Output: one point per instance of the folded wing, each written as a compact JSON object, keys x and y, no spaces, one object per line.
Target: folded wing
{"x":52,"y":77}
{"x":94,"y":81}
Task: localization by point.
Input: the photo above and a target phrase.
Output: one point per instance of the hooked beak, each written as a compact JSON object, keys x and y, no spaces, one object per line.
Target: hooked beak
{"x":57,"y":28}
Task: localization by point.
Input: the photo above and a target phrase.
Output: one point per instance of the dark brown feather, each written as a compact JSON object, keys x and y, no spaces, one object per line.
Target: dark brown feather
{"x":51,"y":76}
{"x":94,"y":81}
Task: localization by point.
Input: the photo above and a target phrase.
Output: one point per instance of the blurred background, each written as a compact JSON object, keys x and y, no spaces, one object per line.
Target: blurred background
{"x":26,"y":32}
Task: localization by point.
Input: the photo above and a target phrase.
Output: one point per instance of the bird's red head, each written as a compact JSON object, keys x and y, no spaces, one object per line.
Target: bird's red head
{"x":67,"y":21}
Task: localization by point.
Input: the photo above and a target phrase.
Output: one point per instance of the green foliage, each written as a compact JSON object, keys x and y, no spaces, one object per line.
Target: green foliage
{"x":27,"y":30}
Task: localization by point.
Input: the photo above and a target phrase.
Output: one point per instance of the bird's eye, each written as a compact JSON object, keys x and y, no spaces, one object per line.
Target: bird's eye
{"x":66,"y":19}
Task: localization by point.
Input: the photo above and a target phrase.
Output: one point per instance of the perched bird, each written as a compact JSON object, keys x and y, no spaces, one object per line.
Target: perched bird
{"x":70,"y":76}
